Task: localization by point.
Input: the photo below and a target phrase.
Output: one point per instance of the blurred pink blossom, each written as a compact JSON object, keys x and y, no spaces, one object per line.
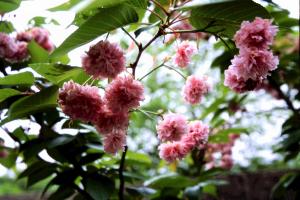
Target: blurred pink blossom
{"x":195,"y":88}
{"x":184,"y":53}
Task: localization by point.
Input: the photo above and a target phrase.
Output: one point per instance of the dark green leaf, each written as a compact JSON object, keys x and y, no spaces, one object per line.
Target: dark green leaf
{"x":23,"y":78}
{"x":7,"y":92}
{"x":6,"y":27}
{"x":225,"y":18}
{"x":60,"y":140}
{"x":99,"y":187}
{"x":35,"y":103}
{"x":63,"y":192}
{"x":37,"y":53}
{"x":106,"y":20}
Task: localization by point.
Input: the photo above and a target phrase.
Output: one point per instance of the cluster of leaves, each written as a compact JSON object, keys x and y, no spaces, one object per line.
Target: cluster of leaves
{"x":80,"y":167}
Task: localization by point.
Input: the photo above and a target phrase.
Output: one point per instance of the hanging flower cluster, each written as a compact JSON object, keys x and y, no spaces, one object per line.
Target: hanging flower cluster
{"x":195,"y":88}
{"x":184,"y":53}
{"x":255,"y":61}
{"x":224,"y":149}
{"x":110,"y":113}
{"x":15,"y":49}
{"x":179,"y":137}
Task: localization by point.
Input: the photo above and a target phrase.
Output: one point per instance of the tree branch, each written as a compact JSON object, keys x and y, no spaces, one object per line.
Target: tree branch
{"x":121,"y":177}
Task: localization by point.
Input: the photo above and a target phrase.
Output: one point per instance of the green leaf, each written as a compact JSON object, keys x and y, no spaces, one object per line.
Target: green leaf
{"x":59,"y":73}
{"x":225,"y":18}
{"x":24,"y":78}
{"x":63,"y":192}
{"x":222,"y":136}
{"x":9,"y":5}
{"x":99,"y":187}
{"x":137,"y":158}
{"x":171,"y":180}
{"x":60,"y":140}
{"x":37,"y":53}
{"x":39,"y":21}
{"x":6,"y":27}
{"x":106,"y":20}
{"x":34,"y":103}
{"x":10,"y":160}
{"x":7,"y":92}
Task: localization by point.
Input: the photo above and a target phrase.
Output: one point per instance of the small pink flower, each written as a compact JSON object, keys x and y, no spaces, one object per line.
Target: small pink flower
{"x":197,"y":136}
{"x":226,"y":162}
{"x":105,"y":60}
{"x":172,"y":151}
{"x":8,"y":46}
{"x":21,"y":53}
{"x":184,"y":53}
{"x":195,"y":88}
{"x":107,"y":121}
{"x":39,"y":35}
{"x":80,"y":102}
{"x":237,"y":83}
{"x":259,"y":34}
{"x":172,"y":127}
{"x":123,"y":94}
{"x":114,"y":141}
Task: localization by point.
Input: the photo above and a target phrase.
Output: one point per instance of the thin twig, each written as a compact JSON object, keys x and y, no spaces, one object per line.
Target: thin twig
{"x":172,"y":68}
{"x":151,"y":71}
{"x":157,"y":15}
{"x":121,"y":176}
{"x":161,"y":7}
{"x":134,"y":40}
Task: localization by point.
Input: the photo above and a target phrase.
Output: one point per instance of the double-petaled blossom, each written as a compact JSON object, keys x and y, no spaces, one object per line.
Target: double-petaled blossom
{"x":184,"y":53}
{"x":124,"y":93}
{"x":80,"y":102}
{"x":259,"y":33}
{"x":114,"y":141}
{"x":172,"y":127}
{"x":197,"y":136}
{"x":172,"y":151}
{"x":104,"y":60}
{"x":195,"y":87}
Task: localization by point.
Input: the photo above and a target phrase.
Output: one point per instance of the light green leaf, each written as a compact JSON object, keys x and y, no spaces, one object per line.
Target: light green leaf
{"x":6,"y":27}
{"x":7,"y":92}
{"x":106,"y":20}
{"x":226,"y":17}
{"x":24,"y":78}
{"x":9,"y":5}
{"x":59,"y":73}
{"x":34,"y":103}
{"x":37,"y":53}
{"x":137,"y":158}
{"x":222,"y":136}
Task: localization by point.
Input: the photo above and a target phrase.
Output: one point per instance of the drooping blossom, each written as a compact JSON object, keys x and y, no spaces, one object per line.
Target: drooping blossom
{"x":197,"y":135}
{"x":172,"y":128}
{"x":184,"y":53}
{"x":114,"y":141}
{"x":237,"y":83}
{"x":39,"y":35}
{"x":254,"y":63}
{"x":7,"y":46}
{"x":195,"y":87}
{"x":104,"y":60}
{"x":107,"y":121}
{"x":259,"y":34}
{"x":124,"y":93}
{"x":172,"y":151}
{"x":80,"y":102}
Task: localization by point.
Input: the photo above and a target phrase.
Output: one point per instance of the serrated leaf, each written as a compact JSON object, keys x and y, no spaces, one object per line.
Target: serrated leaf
{"x":7,"y":92}
{"x":106,"y":20}
{"x":59,"y":73}
{"x":34,"y":103}
{"x":225,"y":18}
{"x":24,"y":78}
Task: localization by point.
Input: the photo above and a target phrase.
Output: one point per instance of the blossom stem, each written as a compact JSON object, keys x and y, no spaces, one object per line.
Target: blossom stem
{"x":161,"y":7}
{"x":121,"y":176}
{"x":172,"y":68}
{"x":134,"y":40}
{"x":151,"y":71}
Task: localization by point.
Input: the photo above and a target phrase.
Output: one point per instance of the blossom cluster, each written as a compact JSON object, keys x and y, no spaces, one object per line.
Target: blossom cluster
{"x":255,"y":60}
{"x":15,"y":49}
{"x":224,"y":149}
{"x":179,"y":137}
{"x":109,"y":113}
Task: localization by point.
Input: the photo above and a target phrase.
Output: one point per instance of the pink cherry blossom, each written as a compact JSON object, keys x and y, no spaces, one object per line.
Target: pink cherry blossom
{"x":172,"y":128}
{"x":184,"y":53}
{"x":80,"y":102}
{"x":237,"y":83}
{"x":114,"y":141}
{"x":104,"y":60}
{"x":259,"y":34}
{"x":7,"y":46}
{"x":195,"y":88}
{"x":124,"y":93}
{"x":107,"y":121}
{"x":172,"y":151}
{"x":197,"y":136}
